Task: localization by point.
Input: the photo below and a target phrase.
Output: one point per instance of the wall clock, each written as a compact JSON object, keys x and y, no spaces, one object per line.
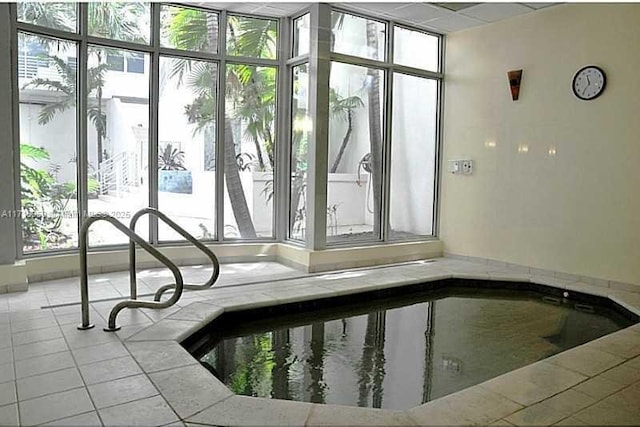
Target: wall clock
{"x":589,"y":82}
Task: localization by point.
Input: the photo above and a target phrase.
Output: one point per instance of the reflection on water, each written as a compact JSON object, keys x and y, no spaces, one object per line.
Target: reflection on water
{"x":398,"y":357}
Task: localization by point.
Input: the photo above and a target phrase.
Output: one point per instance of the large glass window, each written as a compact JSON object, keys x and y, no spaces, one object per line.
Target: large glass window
{"x":198,"y":126}
{"x":301,"y":36}
{"x":301,"y":126}
{"x":189,"y":29}
{"x":60,"y":16}
{"x":186,"y":146}
{"x":249,"y":151}
{"x":124,"y":21}
{"x":415,"y":49}
{"x":413,"y":156}
{"x":252,"y":37}
{"x":47,"y":82}
{"x":353,"y":35}
{"x":354,"y":182}
{"x":117,"y":142}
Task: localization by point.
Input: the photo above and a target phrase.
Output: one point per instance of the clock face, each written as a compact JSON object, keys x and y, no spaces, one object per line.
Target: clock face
{"x":589,"y":82}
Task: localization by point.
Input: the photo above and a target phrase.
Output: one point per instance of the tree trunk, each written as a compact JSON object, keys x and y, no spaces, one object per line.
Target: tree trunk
{"x":256,"y":142}
{"x":365,"y":370}
{"x":316,"y":364}
{"x":345,"y":142}
{"x":280,"y":371}
{"x":269,"y":143}
{"x":234,"y":186}
{"x":375,"y":130}
{"x":371,"y":372}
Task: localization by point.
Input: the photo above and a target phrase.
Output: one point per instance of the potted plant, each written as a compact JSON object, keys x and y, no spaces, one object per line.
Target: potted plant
{"x":173,"y":176}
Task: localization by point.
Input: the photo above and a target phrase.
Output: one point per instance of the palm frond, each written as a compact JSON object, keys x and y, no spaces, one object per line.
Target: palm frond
{"x":32,"y":152}
{"x":48,"y":111}
{"x":187,"y":29}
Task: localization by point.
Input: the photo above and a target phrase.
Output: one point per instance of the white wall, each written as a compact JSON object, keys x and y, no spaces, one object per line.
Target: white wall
{"x":571,"y":202}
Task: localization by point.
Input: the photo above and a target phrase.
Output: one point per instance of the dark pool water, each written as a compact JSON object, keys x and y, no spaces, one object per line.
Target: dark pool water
{"x":399,"y":352}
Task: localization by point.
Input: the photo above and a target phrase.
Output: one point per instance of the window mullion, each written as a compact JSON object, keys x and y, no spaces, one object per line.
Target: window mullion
{"x":81,"y":114}
{"x":154,"y":90}
{"x":319,"y":69}
{"x":281,"y":147}
{"x":220,"y":125}
{"x":385,"y":226}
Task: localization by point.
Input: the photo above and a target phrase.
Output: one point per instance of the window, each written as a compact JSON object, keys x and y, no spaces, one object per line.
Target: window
{"x":47,"y":106}
{"x":135,"y":63}
{"x":115,"y":62}
{"x":118,"y":144}
{"x":179,"y":23}
{"x":413,"y":156}
{"x":186,"y":151}
{"x":204,"y":147}
{"x":131,"y":62}
{"x":353,"y":35}
{"x":354,"y":182}
{"x":407,"y":44}
{"x":301,"y":125}
{"x":56,"y":15}
{"x":301,"y":36}
{"x":249,"y":151}
{"x":252,"y":37}
{"x":123,"y":21}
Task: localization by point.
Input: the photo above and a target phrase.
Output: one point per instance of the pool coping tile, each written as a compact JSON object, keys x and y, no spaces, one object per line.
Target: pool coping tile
{"x":156,"y":348}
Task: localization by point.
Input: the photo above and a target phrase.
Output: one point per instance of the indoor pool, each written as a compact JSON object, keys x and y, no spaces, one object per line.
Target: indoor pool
{"x":398,"y":351}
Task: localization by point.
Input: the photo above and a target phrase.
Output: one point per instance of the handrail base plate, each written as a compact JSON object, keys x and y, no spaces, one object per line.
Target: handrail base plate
{"x":117,"y":328}
{"x":84,"y":328}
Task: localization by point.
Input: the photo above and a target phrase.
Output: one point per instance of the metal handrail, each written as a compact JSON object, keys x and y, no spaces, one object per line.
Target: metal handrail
{"x":131,"y":303}
{"x":132,"y":254}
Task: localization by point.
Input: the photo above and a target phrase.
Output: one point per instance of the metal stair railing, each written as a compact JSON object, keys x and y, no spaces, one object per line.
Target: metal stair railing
{"x":132,"y":254}
{"x":133,"y":302}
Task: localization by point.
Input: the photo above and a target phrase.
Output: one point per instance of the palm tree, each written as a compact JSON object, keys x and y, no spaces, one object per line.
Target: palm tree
{"x":66,"y":88}
{"x":371,"y":368}
{"x":249,"y":87}
{"x":60,"y":15}
{"x":111,"y":20}
{"x":343,"y":108}
{"x":171,"y":159}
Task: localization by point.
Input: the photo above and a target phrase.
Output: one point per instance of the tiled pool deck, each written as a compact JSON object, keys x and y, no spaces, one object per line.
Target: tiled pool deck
{"x":53,"y":374}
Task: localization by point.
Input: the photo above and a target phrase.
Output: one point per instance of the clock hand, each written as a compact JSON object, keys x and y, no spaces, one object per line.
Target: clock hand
{"x":588,"y":81}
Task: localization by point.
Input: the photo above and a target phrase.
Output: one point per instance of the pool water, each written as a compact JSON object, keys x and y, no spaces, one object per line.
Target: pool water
{"x":398,"y":352}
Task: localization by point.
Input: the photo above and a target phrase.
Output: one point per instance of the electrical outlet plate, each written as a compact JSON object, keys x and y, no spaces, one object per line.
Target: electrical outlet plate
{"x":455,"y":166}
{"x":460,"y":167}
{"x":467,"y":167}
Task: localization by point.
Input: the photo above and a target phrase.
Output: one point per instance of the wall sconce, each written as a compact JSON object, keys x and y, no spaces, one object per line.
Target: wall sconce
{"x":515,"y":77}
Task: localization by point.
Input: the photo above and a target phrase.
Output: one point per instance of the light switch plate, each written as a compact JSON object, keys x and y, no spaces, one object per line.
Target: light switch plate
{"x":455,"y":166}
{"x":467,"y":167}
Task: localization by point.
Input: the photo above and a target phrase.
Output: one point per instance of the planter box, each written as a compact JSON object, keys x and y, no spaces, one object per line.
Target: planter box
{"x":175,"y":181}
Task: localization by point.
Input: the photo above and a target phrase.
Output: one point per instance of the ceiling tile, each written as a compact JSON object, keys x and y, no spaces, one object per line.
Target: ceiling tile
{"x":492,"y":12}
{"x":382,"y":8}
{"x":456,"y":7}
{"x":418,"y":13}
{"x":288,"y":7}
{"x":539,"y":5}
{"x":244,"y":7}
{"x":455,"y":22}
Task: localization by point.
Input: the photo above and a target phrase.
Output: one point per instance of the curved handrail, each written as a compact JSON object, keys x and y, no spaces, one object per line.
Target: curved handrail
{"x":132,"y":253}
{"x":131,"y":303}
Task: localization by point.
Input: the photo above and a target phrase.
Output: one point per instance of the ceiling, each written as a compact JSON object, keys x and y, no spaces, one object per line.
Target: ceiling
{"x":441,"y":17}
